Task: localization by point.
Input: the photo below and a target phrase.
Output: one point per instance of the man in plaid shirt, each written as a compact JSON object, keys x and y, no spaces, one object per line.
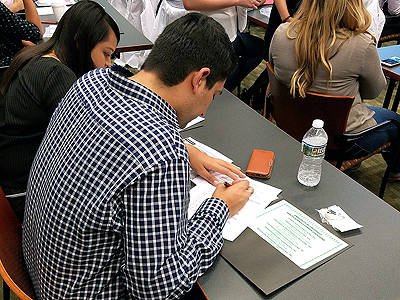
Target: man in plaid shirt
{"x":108,"y":194}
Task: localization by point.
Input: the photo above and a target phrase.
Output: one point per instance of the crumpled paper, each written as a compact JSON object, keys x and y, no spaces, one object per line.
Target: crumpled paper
{"x":337,"y":218}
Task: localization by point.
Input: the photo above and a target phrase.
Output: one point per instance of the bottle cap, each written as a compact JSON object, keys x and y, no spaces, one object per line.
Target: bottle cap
{"x":318,"y":123}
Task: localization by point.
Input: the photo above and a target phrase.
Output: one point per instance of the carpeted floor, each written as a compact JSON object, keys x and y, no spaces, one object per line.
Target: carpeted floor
{"x":371,"y":170}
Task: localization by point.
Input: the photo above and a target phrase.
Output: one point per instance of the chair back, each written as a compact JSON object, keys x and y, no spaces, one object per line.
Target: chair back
{"x":12,"y":265}
{"x":294,"y":115}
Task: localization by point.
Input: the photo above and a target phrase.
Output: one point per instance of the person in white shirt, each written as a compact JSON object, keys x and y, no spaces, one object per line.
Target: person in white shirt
{"x":232,"y":15}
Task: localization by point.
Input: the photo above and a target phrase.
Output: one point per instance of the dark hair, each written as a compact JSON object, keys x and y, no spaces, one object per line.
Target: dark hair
{"x":188,"y":44}
{"x":82,"y":27}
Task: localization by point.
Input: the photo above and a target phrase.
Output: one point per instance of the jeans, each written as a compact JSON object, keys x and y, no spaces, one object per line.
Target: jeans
{"x":373,"y":141}
{"x":248,"y":49}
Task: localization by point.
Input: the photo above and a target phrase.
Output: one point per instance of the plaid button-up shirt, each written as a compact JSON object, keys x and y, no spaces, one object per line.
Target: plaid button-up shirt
{"x":107,"y":200}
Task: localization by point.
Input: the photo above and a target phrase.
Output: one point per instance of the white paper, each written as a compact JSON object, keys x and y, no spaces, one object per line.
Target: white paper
{"x":266,"y":10}
{"x":263,"y":195}
{"x":193,"y":122}
{"x":41,"y":3}
{"x":207,"y":150}
{"x":339,"y":220}
{"x":295,"y":235}
{"x":49,"y":31}
{"x":44,"y":11}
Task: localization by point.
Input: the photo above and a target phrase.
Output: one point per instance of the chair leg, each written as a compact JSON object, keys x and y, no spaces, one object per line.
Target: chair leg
{"x":265,"y":114}
{"x":6,"y":291}
{"x":389,"y":93}
{"x":384,"y":182}
{"x":396,"y":101}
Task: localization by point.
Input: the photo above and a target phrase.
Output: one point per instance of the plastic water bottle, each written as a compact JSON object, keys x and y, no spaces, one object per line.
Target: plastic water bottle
{"x":313,"y":147}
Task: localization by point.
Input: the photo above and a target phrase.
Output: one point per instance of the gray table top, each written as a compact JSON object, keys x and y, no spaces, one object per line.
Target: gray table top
{"x":256,"y":17}
{"x":368,"y":270}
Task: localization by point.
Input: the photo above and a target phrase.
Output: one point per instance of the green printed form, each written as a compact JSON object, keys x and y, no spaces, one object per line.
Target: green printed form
{"x":295,"y":235}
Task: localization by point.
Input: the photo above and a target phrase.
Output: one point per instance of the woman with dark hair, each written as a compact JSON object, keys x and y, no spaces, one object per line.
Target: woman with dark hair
{"x":17,"y":32}
{"x":38,"y":78}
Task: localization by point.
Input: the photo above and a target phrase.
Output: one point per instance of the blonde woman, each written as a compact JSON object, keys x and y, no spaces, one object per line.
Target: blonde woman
{"x":332,"y":52}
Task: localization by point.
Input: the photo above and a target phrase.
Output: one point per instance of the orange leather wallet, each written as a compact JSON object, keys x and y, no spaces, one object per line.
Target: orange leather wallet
{"x":260,"y":164}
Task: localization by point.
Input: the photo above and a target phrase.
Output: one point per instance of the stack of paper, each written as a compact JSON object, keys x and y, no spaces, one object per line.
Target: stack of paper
{"x":263,"y":195}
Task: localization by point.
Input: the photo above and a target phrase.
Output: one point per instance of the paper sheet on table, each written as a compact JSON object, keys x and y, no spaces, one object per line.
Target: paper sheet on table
{"x":193,"y":122}
{"x":207,"y":150}
{"x":296,"y":235}
{"x":49,"y":31}
{"x":263,"y":195}
{"x":41,"y":3}
{"x":44,"y":11}
{"x":265,"y":10}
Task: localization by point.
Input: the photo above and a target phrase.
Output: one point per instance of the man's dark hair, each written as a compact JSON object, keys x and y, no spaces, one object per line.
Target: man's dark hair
{"x":188,"y":44}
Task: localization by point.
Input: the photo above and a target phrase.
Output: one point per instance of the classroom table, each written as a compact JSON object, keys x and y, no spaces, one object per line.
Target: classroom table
{"x":368,"y":270}
{"x":256,"y":17}
{"x":130,"y":40}
{"x":393,"y":73}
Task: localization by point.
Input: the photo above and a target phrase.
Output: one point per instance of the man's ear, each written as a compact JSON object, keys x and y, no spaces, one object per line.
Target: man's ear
{"x":199,"y":79}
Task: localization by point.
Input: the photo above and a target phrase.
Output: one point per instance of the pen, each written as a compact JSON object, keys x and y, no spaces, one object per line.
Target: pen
{"x":227,"y":184}
{"x":47,"y":22}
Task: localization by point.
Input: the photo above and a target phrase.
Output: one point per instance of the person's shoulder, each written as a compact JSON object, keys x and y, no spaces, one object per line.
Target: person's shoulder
{"x":53,"y":66}
{"x":281,"y":31}
{"x":48,"y":61}
{"x":43,"y":67}
{"x":280,"y":38}
{"x":283,"y":27}
{"x":364,"y":38}
{"x":41,"y":62}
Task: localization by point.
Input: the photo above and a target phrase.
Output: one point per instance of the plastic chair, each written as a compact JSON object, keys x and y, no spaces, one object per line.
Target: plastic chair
{"x":295,"y":116}
{"x":12,"y":266}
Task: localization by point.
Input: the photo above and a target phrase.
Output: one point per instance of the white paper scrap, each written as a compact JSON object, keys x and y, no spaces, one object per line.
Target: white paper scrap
{"x":337,"y":218}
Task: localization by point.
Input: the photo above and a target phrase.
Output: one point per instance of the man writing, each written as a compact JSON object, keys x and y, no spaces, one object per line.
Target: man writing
{"x":107,"y":198}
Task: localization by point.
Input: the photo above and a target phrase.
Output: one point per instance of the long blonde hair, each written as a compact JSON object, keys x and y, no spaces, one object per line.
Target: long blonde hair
{"x":317,"y":25}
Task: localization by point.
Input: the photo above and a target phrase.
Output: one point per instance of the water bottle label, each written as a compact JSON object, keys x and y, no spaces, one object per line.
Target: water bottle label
{"x":314,"y":151}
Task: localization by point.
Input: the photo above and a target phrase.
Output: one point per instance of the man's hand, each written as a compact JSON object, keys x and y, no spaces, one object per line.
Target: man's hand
{"x":251,"y":3}
{"x":204,"y":164}
{"x":235,"y":196}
